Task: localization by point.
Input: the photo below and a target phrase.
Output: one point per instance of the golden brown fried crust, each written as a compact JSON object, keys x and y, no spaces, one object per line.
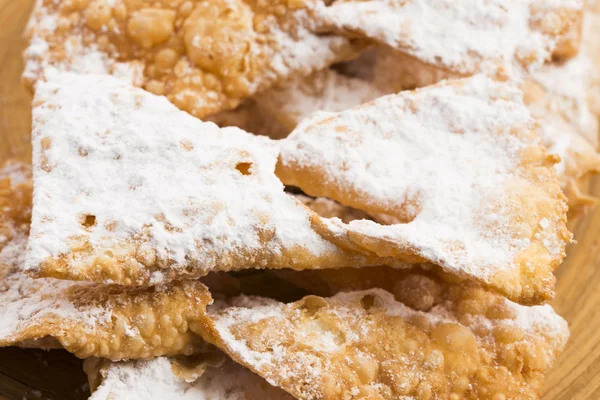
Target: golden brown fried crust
{"x":88,"y":320}
{"x":142,"y":323}
{"x":205,"y":56}
{"x":554,"y":28}
{"x":466,"y":344}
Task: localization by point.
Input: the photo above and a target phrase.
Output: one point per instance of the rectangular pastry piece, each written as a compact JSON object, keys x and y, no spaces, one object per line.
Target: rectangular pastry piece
{"x":131,"y":190}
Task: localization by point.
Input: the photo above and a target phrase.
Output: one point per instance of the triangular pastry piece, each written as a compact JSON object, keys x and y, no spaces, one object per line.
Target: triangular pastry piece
{"x":204,"y":56}
{"x":86,"y":319}
{"x":567,"y":125}
{"x":469,"y":343}
{"x":462,"y":37}
{"x":460,"y":169}
{"x":130,"y":190}
{"x":566,"y":122}
{"x":204,"y":376}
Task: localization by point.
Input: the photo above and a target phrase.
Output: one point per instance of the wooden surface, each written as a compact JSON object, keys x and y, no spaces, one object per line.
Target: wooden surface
{"x":35,"y":374}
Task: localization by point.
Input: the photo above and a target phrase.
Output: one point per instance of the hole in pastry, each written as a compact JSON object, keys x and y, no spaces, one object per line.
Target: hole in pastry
{"x":367,"y":302}
{"x":244,"y":168}
{"x":312,"y":304}
{"x":88,"y":220}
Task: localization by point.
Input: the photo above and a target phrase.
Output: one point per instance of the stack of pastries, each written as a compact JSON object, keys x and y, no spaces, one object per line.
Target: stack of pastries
{"x":300,"y":199}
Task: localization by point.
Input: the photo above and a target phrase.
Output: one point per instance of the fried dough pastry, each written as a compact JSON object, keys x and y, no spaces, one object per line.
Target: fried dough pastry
{"x":566,"y":122}
{"x":205,"y":376}
{"x":325,"y":90}
{"x":463,"y":37}
{"x":469,"y":344}
{"x":459,"y":168}
{"x":86,"y":319}
{"x":567,"y":125}
{"x":130,"y":190}
{"x":205,"y":56}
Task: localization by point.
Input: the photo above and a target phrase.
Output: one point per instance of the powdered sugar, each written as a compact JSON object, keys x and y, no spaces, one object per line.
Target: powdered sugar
{"x":444,"y":160}
{"x":26,"y":303}
{"x":156,"y":379}
{"x":245,"y":57}
{"x":296,"y":346}
{"x":465,"y":36}
{"x":201,"y":197}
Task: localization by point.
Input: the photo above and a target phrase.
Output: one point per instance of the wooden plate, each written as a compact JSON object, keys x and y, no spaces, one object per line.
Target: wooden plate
{"x":35,"y":374}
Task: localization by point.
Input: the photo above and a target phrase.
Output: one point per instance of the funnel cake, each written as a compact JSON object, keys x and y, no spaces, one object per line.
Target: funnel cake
{"x":463,"y":37}
{"x":469,"y":344}
{"x":130,"y":190}
{"x":458,"y":166}
{"x":86,"y":319}
{"x":205,"y":376}
{"x":205,"y":56}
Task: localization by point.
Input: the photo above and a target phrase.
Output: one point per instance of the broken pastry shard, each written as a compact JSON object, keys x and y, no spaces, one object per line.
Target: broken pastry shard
{"x":130,"y":190}
{"x":205,"y":56}
{"x":470,"y":344}
{"x":198,"y":377}
{"x":325,"y":90}
{"x":86,"y":319}
{"x":459,"y":168}
{"x":464,"y":37}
